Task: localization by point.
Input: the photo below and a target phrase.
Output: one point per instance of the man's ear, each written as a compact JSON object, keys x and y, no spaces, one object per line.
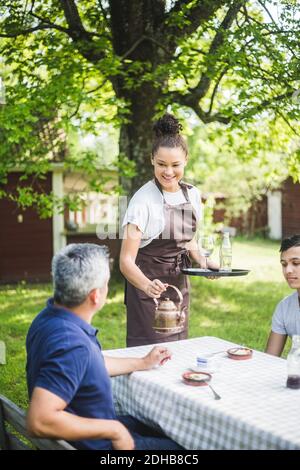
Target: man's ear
{"x":94,"y":296}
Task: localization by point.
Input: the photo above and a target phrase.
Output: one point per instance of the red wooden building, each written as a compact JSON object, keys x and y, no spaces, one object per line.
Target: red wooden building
{"x":27,"y":243}
{"x":283,"y":210}
{"x":290,"y":203}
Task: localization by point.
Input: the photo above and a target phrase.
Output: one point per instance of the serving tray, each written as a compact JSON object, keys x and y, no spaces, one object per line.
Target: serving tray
{"x":215,"y":273}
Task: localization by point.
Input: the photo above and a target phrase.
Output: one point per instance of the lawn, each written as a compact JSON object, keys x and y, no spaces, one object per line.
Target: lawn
{"x":236,"y":309}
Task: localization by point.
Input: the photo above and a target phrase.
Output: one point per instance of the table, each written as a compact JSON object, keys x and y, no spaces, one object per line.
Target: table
{"x":256,"y":411}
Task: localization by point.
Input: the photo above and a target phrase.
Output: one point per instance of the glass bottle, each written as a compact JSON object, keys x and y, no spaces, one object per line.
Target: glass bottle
{"x":293,"y":364}
{"x":225,"y":253}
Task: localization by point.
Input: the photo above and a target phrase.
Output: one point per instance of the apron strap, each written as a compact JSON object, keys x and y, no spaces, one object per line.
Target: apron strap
{"x":183,"y":186}
{"x":159,"y":186}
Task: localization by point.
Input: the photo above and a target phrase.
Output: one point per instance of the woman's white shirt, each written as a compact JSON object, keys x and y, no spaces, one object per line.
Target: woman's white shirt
{"x":146,"y":209}
{"x":173,"y":199}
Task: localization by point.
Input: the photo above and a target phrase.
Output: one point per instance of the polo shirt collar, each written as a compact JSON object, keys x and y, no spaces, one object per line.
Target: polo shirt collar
{"x":70,"y":316}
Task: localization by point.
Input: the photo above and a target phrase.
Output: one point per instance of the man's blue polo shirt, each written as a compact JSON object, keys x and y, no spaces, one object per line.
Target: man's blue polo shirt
{"x":64,"y":357}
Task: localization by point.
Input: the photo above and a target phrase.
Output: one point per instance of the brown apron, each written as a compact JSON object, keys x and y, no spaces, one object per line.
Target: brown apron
{"x":162,"y":259}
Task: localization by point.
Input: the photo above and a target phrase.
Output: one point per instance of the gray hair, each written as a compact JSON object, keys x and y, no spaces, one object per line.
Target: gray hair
{"x":76,"y":270}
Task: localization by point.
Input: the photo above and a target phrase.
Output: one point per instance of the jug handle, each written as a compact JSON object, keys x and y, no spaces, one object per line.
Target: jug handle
{"x":178,"y":293}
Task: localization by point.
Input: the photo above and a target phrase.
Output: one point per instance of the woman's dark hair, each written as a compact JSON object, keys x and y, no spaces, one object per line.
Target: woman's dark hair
{"x":167,"y":134}
{"x":288,"y":243}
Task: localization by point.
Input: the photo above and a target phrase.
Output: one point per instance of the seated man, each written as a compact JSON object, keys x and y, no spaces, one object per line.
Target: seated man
{"x":286,"y":318}
{"x":67,"y":375}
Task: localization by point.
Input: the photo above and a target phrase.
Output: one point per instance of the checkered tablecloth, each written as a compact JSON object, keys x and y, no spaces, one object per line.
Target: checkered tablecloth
{"x":256,"y":411}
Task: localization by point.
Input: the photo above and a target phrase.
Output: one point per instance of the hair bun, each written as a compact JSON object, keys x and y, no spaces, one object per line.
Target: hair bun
{"x":167,"y":125}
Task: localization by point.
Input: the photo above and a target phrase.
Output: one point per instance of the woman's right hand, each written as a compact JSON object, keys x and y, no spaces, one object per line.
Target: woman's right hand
{"x":155,"y":288}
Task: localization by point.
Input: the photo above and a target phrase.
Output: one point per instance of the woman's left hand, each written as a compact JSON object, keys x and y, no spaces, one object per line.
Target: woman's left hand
{"x":214,"y":266}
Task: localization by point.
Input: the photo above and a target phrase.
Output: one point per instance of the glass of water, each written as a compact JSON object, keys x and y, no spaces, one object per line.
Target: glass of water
{"x":206,"y":247}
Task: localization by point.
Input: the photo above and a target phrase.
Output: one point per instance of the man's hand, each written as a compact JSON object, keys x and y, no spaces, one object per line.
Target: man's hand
{"x":125,"y":365}
{"x":157,"y":356}
{"x":123,"y":439}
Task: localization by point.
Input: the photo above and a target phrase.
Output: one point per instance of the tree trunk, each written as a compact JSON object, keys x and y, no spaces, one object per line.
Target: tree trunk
{"x":137,"y":135}
{"x":135,"y":35}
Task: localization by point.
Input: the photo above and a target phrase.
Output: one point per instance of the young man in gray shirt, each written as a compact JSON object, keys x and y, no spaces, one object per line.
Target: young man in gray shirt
{"x":286,"y":318}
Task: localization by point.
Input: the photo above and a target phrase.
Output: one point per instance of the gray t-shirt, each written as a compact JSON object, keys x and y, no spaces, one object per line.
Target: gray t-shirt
{"x":286,"y":318}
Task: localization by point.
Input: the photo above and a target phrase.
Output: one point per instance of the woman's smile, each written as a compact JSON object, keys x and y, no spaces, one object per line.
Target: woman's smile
{"x":169,"y":164}
{"x":168,"y":178}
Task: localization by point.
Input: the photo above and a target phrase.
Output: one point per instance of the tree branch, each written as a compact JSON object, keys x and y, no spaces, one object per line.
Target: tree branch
{"x":81,"y":37}
{"x":66,"y":30}
{"x":264,"y":105}
{"x":194,"y":17}
{"x":98,"y":87}
{"x":39,"y":27}
{"x":45,"y":23}
{"x":276,"y":26}
{"x":288,"y":123}
{"x":216,"y":88}
{"x":190,"y":101}
{"x":248,"y":17}
{"x":103,"y":12}
{"x":206,"y":118}
{"x":72,"y":16}
{"x":139,"y":41}
{"x":267,"y":11}
{"x":198,"y":51}
{"x":204,"y":83}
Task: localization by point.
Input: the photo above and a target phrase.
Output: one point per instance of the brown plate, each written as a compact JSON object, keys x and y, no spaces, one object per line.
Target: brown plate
{"x":240,"y":354}
{"x":196,"y":378}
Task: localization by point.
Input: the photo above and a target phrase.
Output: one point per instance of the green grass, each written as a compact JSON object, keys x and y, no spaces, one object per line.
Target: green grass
{"x":240,"y":309}
{"x":236,"y":309}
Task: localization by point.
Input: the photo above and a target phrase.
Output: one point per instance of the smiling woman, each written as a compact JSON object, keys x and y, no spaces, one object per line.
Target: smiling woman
{"x":159,"y":227}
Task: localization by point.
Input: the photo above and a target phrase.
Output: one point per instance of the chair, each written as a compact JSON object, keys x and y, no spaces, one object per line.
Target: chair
{"x":11,"y":416}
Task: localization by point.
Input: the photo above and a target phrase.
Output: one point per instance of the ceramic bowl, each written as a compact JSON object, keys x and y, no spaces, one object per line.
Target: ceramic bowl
{"x":240,"y":354}
{"x":196,"y":379}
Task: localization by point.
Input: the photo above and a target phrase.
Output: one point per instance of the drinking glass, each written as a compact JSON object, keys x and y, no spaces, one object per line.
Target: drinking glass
{"x":206,"y":247}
